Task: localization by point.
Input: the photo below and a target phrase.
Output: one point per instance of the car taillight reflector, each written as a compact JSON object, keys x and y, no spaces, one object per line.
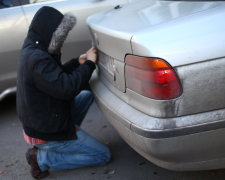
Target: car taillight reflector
{"x":151,"y":77}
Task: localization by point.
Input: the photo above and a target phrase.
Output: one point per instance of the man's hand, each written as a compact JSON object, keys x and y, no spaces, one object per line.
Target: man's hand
{"x":82,"y":58}
{"x":91,"y":55}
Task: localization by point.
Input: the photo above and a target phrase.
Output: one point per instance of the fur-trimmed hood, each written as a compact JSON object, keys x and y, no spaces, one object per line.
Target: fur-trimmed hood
{"x":49,"y":29}
{"x":60,"y":34}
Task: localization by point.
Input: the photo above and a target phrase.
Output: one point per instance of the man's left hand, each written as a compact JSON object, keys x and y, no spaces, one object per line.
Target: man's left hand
{"x":82,"y":58}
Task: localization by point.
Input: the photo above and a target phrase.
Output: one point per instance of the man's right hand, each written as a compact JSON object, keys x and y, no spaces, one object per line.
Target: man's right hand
{"x":91,"y":54}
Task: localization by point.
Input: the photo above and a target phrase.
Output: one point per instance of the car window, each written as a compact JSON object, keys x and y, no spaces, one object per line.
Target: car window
{"x":8,"y":3}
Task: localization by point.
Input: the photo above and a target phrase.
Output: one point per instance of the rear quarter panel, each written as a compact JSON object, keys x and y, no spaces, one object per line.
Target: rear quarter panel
{"x":195,"y":46}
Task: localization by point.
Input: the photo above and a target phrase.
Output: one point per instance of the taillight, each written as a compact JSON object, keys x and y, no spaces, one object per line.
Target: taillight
{"x":151,"y":77}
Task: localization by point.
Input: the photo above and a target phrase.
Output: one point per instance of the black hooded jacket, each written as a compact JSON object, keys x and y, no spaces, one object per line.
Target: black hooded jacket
{"x":45,"y":87}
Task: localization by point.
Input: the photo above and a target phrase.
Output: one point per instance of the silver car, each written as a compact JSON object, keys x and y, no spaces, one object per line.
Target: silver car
{"x":161,"y":79}
{"x":15,"y":17}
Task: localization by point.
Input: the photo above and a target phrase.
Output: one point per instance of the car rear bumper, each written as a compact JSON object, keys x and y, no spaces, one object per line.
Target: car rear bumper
{"x":170,"y":143}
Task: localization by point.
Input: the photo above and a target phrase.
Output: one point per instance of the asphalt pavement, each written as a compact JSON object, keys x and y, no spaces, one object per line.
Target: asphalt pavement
{"x":125,"y":165}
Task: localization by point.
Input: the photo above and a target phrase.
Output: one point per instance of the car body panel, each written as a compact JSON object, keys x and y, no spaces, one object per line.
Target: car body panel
{"x":185,"y":35}
{"x":12,"y":32}
{"x":203,"y":90}
{"x":169,"y":20}
{"x":182,"y":143}
{"x":184,"y":133}
{"x":144,"y":124}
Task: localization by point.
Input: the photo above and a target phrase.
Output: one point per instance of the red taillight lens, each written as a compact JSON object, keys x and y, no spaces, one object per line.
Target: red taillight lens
{"x":151,"y":77}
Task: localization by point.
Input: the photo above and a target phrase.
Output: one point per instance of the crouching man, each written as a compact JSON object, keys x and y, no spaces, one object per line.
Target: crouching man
{"x":52,"y":100}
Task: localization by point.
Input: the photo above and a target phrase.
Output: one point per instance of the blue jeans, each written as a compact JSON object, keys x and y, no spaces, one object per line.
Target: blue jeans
{"x":84,"y":151}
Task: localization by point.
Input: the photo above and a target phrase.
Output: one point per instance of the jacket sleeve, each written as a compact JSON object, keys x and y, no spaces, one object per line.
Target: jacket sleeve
{"x":71,"y":65}
{"x":51,"y":79}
